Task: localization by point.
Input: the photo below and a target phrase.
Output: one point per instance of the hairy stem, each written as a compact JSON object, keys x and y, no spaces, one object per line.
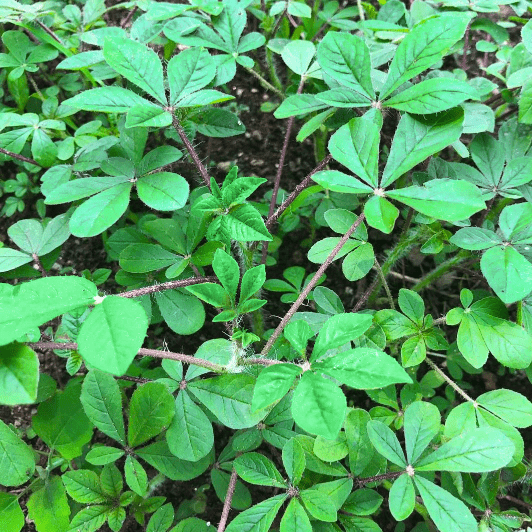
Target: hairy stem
{"x":440,"y":270}
{"x":385,"y":284}
{"x":192,"y":152}
{"x":167,"y":286}
{"x":227,"y":502}
{"x":299,"y":301}
{"x":19,"y":157}
{"x":266,"y":84}
{"x":449,"y":381}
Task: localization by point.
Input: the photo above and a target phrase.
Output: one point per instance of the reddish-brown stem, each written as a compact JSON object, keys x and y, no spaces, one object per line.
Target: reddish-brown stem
{"x":138,"y":380}
{"x":127,"y":20}
{"x":192,"y":152}
{"x":277,"y":182}
{"x":466,"y":47}
{"x":295,"y":193}
{"x":377,"y":478}
{"x":39,"y":265}
{"x":49,"y":32}
{"x":228,"y":499}
{"x":299,"y":301}
{"x":19,"y":157}
{"x":366,"y":294}
{"x":516,"y":501}
{"x":167,"y":286}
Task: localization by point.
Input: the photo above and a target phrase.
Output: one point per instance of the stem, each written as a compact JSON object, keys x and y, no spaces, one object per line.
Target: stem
{"x":266,"y":84}
{"x":466,"y":47}
{"x":299,"y":301}
{"x":166,"y":286}
{"x":516,"y":501}
{"x":280,"y":167}
{"x":139,"y":380}
{"x":192,"y":152}
{"x":35,"y":88}
{"x":39,"y":265}
{"x":440,"y":270}
{"x":366,"y":294}
{"x":385,"y":476}
{"x":386,"y":286}
{"x":439,"y":321}
{"x":227,"y":502}
{"x":449,"y":381}
{"x":19,"y":157}
{"x":273,"y":73}
{"x":49,"y":32}
{"x":295,"y":193}
{"x":127,"y":20}
{"x":360,"y":10}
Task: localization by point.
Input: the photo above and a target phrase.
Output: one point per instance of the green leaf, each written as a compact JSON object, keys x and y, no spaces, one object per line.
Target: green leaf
{"x":245,"y":224}
{"x":90,"y":518}
{"x":298,"y":55}
{"x":136,"y":477}
{"x":259,"y":470}
{"x":190,"y":435}
{"x":19,"y":374}
{"x":183,"y":312}
{"x":356,"y":146}
{"x":432,"y":96}
{"x":338,"y":330}
{"x":421,"y":425}
{"x":259,"y":517}
{"x":101,"y":211}
{"x":211,"y":293}
{"x":188,"y":72}
{"x":103,"y":455}
{"x":228,"y":397}
{"x":84,"y":486}
{"x":137,"y":63}
{"x":295,"y":518}
{"x":163,"y":191}
{"x":272,"y":384}
{"x":525,"y":104}
{"x":402,"y":498}
{"x":474,"y":451}
{"x":345,"y":58}
{"x":112,"y":334}
{"x":142,"y":258}
{"x":510,"y":406}
{"x":447,"y":512}
{"x":386,"y":442}
{"x":318,"y":406}
{"x":162,"y":519}
{"x":17,"y":462}
{"x":48,"y":507}
{"x":358,"y":442}
{"x":62,"y":294}
{"x":299,"y":104}
{"x":150,"y":411}
{"x":82,"y":188}
{"x":331,"y":450}
{"x":12,"y":258}
{"x":62,"y":424}
{"x":446,"y":199}
{"x":475,"y":238}
{"x":252,"y":282}
{"x":148,"y":116}
{"x":106,"y":100}
{"x":508,"y":273}
{"x":381,"y":214}
{"x":294,"y":461}
{"x":363,"y":368}
{"x":489,"y":157}
{"x":412,"y":305}
{"x":227,"y":270}
{"x":11,"y":515}
{"x":319,"y":505}
{"x":102,"y":402}
{"x":417,"y":138}
{"x":220,"y":480}
{"x":422,"y":48}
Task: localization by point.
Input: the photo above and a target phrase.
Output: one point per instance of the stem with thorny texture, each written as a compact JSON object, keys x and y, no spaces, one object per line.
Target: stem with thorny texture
{"x":192,"y":152}
{"x":385,"y":284}
{"x":49,"y":32}
{"x":299,"y":301}
{"x":167,"y":286}
{"x":449,"y":381}
{"x":277,"y":182}
{"x":227,"y":502}
{"x":19,"y":157}
{"x":385,"y":476}
{"x":266,"y":84}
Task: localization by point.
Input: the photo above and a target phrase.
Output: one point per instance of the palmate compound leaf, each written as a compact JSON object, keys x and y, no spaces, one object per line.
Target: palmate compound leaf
{"x":113,"y":333}
{"x":36,"y":302}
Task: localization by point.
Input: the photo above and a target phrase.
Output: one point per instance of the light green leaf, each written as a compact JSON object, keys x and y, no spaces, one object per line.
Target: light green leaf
{"x":150,"y":411}
{"x":423,"y":47}
{"x":11,"y":515}
{"x":418,"y":138}
{"x":402,"y":498}
{"x":183,"y":312}
{"x":363,"y":368}
{"x":386,"y":442}
{"x":102,"y":402}
{"x":295,"y":519}
{"x":473,"y":451}
{"x":447,"y":512}
{"x":432,"y":96}
{"x":381,"y":214}
{"x":25,"y":303}
{"x":298,"y":55}
{"x":84,"y":486}
{"x":272,"y":384}
{"x":294,"y":461}
{"x":148,"y":116}
{"x":358,"y":442}
{"x":48,"y":507}
{"x":112,"y":334}
{"x":257,"y":469}
{"x":12,"y":258}
{"x":422,"y":423}
{"x":318,"y":406}
{"x":19,"y":374}
{"x":475,"y":238}
{"x":136,"y":476}
{"x":359,"y":262}
{"x":259,"y":517}
{"x":319,"y":505}
{"x":510,"y":406}
{"x":190,"y":435}
{"x":106,"y":100}
{"x":446,"y":199}
{"x":142,"y":258}
{"x":17,"y":461}
{"x":137,"y":63}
